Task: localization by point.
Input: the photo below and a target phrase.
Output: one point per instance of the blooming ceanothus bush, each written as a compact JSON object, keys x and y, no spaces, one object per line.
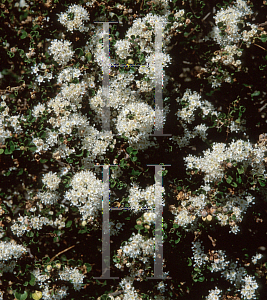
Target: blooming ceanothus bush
{"x":53,"y":150}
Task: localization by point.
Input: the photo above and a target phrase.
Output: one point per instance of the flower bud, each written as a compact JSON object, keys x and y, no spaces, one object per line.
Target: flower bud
{"x":204,"y":213}
{"x":49,"y":268}
{"x":139,"y":222}
{"x":229,"y":165}
{"x":58,"y":265}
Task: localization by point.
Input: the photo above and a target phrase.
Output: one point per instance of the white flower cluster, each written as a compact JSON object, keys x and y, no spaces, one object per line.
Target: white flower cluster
{"x":123,"y":48}
{"x":38,"y":110}
{"x":74,"y":18}
{"x":249,"y":288}
{"x":129,"y":291}
{"x":217,"y":259}
{"x":45,"y":74}
{"x":219,"y":263}
{"x":86,"y":193}
{"x":234,"y":274}
{"x":43,"y":283}
{"x":238,"y":204}
{"x":69,"y":96}
{"x":193,"y":102}
{"x":136,"y":248}
{"x":227,"y":56}
{"x":25,"y":223}
{"x":7,"y":121}
{"x":40,"y":145}
{"x":68,"y":74}
{"x":73,"y":275}
{"x":73,"y":92}
{"x":229,"y":19}
{"x":199,"y":256}
{"x":228,"y":33}
{"x":192,"y":207}
{"x":153,"y":60}
{"x":255,"y":258}
{"x":61,"y":51}
{"x":237,"y":126}
{"x":95,"y":142}
{"x":51,"y":180}
{"x":135,"y":121}
{"x":149,"y":217}
{"x":39,"y":277}
{"x":144,"y":199}
{"x":179,"y":19}
{"x":50,"y":294}
{"x":140,"y":28}
{"x":48,"y":198}
{"x":119,"y":93}
{"x":211,"y":163}
{"x":214,"y":294}
{"x":11,"y":250}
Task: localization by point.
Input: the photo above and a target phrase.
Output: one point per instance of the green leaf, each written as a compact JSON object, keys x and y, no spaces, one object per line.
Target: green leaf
{"x":229,"y":179}
{"x":43,"y":160}
{"x":2,"y":151}
{"x":138,"y":227}
{"x":24,"y":296}
{"x":201,"y":279}
{"x":7,"y":151}
{"x":189,"y":262}
{"x":88,"y":267}
{"x":256,"y":93}
{"x":11,"y":148}
{"x":32,"y":281}
{"x":23,"y":34}
{"x":262,"y":182}
{"x":32,"y":149}
{"x":264,"y":38}
{"x":80,"y":154}
{"x":20,"y":172}
{"x":68,"y":224}
{"x":129,"y":150}
{"x":79,"y":52}
{"x":240,"y":170}
{"x":238,"y":179}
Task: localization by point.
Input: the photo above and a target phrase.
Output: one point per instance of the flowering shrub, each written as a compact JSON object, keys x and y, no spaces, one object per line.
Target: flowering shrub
{"x":58,"y":201}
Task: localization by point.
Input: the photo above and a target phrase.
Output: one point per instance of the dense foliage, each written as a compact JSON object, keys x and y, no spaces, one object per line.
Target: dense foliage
{"x":53,"y":149}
